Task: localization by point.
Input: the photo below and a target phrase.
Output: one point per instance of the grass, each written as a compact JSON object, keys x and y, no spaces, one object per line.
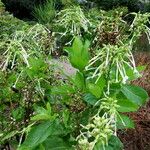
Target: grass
{"x":45,"y":13}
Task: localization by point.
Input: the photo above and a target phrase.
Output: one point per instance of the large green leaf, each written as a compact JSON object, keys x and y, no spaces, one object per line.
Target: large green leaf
{"x":79,"y":80}
{"x":135,"y":94}
{"x":78,"y":54}
{"x":40,"y":133}
{"x":126,"y":105}
{"x":56,"y":143}
{"x":124,"y":122}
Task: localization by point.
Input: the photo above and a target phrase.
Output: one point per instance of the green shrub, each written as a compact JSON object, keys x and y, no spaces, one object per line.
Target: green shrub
{"x":22,"y":70}
{"x":45,"y":13}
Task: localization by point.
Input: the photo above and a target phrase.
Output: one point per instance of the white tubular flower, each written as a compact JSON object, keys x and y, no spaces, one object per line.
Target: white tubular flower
{"x":101,"y":127}
{"x":73,"y":21}
{"x":117,"y":57}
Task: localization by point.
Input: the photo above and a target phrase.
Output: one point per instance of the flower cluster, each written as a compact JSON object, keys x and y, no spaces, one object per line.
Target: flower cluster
{"x":139,"y":26}
{"x":101,"y":128}
{"x":73,"y":21}
{"x":114,"y":60}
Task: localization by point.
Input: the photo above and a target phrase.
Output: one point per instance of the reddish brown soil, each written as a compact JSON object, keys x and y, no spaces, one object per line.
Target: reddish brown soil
{"x":139,"y":138}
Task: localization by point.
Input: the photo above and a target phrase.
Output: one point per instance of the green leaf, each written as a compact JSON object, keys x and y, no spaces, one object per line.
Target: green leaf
{"x":141,"y":68}
{"x":39,"y":110}
{"x":63,"y":90}
{"x":40,"y":117}
{"x":77,"y":45}
{"x":101,"y":82}
{"x":90,"y":99}
{"x":40,"y":147}
{"x":48,"y":107}
{"x":97,"y":88}
{"x":66,"y":115}
{"x":86,"y":114}
{"x":78,"y":54}
{"x":40,"y":133}
{"x":43,"y":114}
{"x":124,"y":122}
{"x":132,"y":75}
{"x":37,"y":68}
{"x":56,"y":143}
{"x":79,"y":80}
{"x":135,"y":94}
{"x":126,"y":106}
{"x":114,"y":143}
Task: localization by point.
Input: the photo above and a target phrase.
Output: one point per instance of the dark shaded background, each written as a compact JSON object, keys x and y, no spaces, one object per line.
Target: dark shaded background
{"x":23,"y":8}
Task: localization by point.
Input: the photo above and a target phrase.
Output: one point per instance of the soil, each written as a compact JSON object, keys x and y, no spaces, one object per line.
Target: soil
{"x":139,"y":138}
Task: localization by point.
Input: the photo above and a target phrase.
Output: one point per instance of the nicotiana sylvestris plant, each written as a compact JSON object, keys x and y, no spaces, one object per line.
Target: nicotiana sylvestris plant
{"x":113,"y":94}
{"x":110,"y":70}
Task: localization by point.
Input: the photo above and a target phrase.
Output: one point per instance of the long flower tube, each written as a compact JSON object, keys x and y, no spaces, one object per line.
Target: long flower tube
{"x":73,"y":21}
{"x":119,"y":57}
